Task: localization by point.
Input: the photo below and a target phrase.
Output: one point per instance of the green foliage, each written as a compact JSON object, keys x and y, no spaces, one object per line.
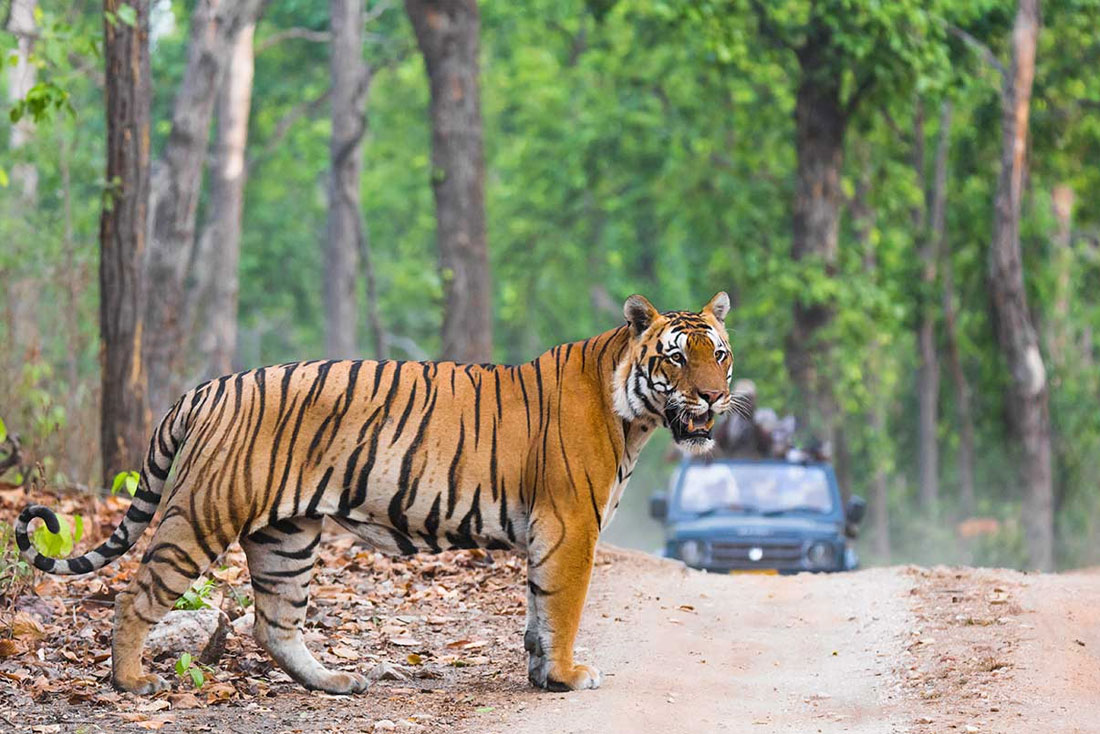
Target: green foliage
{"x":128,"y":480}
{"x":61,"y":543}
{"x":631,"y":146}
{"x":196,"y":596}
{"x":41,"y":100}
{"x":14,"y":571}
{"x":188,"y":669}
{"x":3,"y":431}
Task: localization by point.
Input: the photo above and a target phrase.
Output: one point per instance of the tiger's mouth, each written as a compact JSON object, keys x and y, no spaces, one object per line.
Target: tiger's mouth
{"x":689,"y":427}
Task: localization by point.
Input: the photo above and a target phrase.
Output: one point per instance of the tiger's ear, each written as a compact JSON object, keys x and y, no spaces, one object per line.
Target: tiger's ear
{"x":719,"y":306}
{"x":639,"y":313}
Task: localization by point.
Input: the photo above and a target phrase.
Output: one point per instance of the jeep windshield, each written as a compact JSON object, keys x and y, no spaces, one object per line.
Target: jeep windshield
{"x":756,"y":489}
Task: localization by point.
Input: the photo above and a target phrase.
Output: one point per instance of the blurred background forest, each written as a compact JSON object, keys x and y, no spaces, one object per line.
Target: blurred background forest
{"x":899,"y":197}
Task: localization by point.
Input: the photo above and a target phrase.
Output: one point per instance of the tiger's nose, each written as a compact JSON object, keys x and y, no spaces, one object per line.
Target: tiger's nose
{"x":711,"y":396}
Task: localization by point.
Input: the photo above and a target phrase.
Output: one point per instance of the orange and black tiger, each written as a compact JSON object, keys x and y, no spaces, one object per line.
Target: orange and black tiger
{"x":411,"y":457}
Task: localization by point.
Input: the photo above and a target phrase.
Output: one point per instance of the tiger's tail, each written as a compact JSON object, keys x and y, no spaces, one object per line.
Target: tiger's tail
{"x":154,"y":471}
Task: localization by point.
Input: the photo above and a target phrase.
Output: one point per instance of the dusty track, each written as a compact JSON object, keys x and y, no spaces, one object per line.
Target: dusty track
{"x":877,"y":651}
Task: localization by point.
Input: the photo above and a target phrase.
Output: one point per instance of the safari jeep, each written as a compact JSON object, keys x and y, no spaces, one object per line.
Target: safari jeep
{"x":768,"y":516}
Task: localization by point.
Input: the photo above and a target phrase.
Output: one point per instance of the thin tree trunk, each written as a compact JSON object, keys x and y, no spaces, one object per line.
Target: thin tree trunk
{"x":820,"y":123}
{"x":1059,"y":337}
{"x":175,"y":189}
{"x":1029,"y":398}
{"x":350,"y":78}
{"x":221,"y":238}
{"x":21,"y":77}
{"x":950,"y":325}
{"x":122,"y":230}
{"x":447,"y":33}
{"x":928,"y":369}
{"x":374,"y":315}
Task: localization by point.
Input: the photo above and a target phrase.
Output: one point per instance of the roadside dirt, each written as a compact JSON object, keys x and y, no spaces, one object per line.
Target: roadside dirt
{"x":877,"y":651}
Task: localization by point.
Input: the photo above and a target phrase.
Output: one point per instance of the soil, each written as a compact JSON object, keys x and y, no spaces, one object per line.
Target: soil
{"x":883,"y":650}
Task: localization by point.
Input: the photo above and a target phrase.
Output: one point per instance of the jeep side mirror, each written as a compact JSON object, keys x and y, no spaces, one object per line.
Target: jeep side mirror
{"x":854,"y":510}
{"x":658,"y":506}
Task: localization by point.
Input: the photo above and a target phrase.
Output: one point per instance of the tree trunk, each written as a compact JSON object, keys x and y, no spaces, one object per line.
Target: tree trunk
{"x":1059,"y":337}
{"x":175,"y":189}
{"x":1028,"y":398}
{"x":220,"y":247}
{"x":820,"y":122}
{"x":928,"y":369}
{"x":21,"y":77}
{"x":950,"y":326}
{"x":122,"y":229}
{"x":350,"y":78}
{"x":447,"y":33}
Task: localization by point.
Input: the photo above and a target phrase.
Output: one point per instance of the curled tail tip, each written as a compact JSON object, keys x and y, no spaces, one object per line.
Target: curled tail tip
{"x":23,"y":541}
{"x":32,"y":511}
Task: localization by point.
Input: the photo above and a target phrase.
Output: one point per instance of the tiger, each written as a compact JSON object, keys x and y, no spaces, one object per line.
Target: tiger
{"x":410,"y":457}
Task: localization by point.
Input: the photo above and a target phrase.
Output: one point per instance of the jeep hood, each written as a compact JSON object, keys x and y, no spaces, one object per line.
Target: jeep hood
{"x":755,"y":526}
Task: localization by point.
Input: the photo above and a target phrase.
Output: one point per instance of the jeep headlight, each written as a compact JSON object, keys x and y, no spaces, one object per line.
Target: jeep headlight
{"x":821,"y":555}
{"x":692,"y":552}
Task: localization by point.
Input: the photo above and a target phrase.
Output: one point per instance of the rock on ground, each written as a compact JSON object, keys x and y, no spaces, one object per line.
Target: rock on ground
{"x":201,"y":632}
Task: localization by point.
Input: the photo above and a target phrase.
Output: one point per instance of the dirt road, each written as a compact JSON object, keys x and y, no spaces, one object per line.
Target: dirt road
{"x":882,"y":650}
{"x":877,"y":651}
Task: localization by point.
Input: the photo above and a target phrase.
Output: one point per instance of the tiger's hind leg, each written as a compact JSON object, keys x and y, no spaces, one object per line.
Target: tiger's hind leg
{"x":179,"y":553}
{"x":280,"y":559}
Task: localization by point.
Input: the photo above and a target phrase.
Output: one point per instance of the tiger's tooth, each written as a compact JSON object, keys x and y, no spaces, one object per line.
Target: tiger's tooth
{"x":691,"y":425}
{"x":710,"y":423}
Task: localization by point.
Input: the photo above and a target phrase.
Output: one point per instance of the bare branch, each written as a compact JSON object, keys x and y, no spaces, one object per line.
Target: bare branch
{"x":858,"y":94}
{"x":306,"y":108}
{"x":978,"y":47}
{"x":305,"y":34}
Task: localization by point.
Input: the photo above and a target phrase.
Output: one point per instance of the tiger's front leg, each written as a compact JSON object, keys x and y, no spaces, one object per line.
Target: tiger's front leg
{"x":558,"y":574}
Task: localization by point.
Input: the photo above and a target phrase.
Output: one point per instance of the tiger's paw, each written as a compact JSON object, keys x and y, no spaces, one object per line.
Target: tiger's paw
{"x":148,"y":684}
{"x":577,"y":678}
{"x":342,"y":684}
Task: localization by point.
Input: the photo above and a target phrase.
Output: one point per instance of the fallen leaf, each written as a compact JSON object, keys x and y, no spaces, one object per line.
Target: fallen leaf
{"x":405,"y":641}
{"x":155,"y":724}
{"x":184,"y":701}
{"x":149,"y":707}
{"x":24,"y":626}
{"x":219,"y":691}
{"x":345,"y":652}
{"x":414,"y":659}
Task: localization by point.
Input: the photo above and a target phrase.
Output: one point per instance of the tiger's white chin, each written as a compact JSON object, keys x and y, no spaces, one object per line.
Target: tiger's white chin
{"x":696,"y":446}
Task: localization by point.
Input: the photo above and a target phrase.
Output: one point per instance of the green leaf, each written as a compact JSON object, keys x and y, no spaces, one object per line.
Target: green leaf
{"x":197,"y":677}
{"x":54,"y":545}
{"x":127,"y":15}
{"x":127,"y":479}
{"x":3,"y":428}
{"x":183,"y":663}
{"x":78,"y":528}
{"x":3,"y":184}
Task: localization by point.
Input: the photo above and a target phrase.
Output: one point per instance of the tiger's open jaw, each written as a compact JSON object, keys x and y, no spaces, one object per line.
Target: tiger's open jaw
{"x":690,"y":429}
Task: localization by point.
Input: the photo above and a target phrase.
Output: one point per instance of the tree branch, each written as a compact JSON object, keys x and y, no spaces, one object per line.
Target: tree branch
{"x":858,"y":94}
{"x":308,"y":107}
{"x":769,"y":30}
{"x":978,"y":47}
{"x":306,"y":34}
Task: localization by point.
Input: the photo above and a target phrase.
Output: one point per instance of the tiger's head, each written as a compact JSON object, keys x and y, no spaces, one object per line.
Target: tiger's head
{"x":676,"y":370}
